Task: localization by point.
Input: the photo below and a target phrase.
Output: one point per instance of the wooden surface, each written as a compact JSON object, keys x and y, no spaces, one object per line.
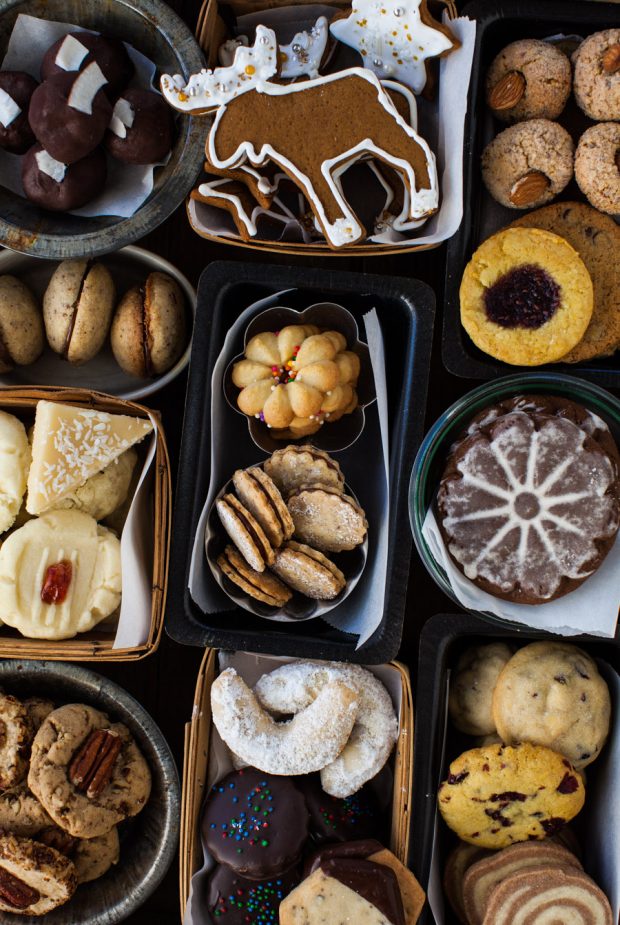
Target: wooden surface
{"x":164,"y":683}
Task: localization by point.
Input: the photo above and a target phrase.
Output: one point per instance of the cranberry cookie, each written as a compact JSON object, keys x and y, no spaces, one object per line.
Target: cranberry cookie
{"x":528,"y":79}
{"x":597,"y":75}
{"x":87,"y":772}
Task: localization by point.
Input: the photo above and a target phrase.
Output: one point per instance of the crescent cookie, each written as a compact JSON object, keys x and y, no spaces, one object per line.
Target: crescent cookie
{"x":551,"y":693}
{"x":14,"y":464}
{"x":87,"y":772}
{"x":60,"y":574}
{"x":501,"y":794}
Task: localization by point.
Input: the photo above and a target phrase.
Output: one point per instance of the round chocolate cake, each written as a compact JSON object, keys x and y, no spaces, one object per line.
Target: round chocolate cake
{"x":528,"y":504}
{"x":16,"y":89}
{"x":76,"y":50}
{"x":140,"y":131}
{"x":61,"y":187}
{"x":68,"y":122}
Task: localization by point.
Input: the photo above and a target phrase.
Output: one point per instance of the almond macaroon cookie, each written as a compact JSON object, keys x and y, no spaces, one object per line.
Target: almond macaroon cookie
{"x":260,"y":496}
{"x":260,"y":585}
{"x":77,"y":309}
{"x":327,"y":519}
{"x":308,"y":571}
{"x":245,"y":532}
{"x":529,"y":79}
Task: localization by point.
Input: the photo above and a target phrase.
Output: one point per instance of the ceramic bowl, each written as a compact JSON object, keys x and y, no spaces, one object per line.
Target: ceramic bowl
{"x":149,"y":840}
{"x":157,"y":31}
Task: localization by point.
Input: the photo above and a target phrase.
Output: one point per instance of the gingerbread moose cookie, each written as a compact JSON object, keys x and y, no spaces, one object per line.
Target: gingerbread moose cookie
{"x":313,"y":130}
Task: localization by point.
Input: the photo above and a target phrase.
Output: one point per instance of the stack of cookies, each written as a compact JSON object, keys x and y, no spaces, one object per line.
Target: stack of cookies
{"x":68,"y":778}
{"x":265,"y":561}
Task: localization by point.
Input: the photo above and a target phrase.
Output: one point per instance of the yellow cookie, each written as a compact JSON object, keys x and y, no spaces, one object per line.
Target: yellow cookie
{"x":526,"y":297}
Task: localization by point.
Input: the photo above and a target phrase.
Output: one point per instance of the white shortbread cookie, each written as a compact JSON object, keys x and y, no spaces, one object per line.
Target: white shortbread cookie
{"x":86,"y":558}
{"x":14,"y":463}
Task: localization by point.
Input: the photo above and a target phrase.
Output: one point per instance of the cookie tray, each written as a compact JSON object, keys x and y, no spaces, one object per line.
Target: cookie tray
{"x":196,"y":766}
{"x":443,"y":639}
{"x":499,"y":23}
{"x":405,"y":309}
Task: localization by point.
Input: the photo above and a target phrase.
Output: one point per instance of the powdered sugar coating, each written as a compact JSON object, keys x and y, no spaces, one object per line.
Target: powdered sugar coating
{"x":312,"y":739}
{"x":293,"y":687}
{"x":529,"y":506}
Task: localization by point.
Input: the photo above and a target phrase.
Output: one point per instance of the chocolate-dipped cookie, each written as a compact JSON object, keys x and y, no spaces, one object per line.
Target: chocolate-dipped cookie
{"x":76,"y":50}
{"x":255,"y":823}
{"x":234,"y":900}
{"x":331,"y":819}
{"x":69,"y":113}
{"x":140,"y":131}
{"x":61,"y":187}
{"x":16,"y":88}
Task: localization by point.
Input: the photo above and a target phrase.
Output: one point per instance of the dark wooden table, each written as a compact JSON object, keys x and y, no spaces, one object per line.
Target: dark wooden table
{"x":164,"y":683}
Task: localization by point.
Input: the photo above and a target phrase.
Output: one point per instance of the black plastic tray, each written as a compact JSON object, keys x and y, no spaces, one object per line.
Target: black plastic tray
{"x":443,"y":638}
{"x":406,"y":310}
{"x":500,"y":22}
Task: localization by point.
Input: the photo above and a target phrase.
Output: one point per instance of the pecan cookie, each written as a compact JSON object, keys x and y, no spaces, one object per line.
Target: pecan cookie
{"x":501,"y":794}
{"x":87,"y":772}
{"x":528,"y":79}
{"x":93,"y":857}
{"x":15,"y":736}
{"x":21,"y":813}
{"x":34,"y":879}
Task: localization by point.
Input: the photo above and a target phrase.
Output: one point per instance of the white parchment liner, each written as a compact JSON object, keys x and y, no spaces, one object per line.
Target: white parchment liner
{"x":127,"y":185}
{"x":366,"y":468}
{"x":601,"y":814}
{"x":441,"y":124}
{"x":251,"y":668}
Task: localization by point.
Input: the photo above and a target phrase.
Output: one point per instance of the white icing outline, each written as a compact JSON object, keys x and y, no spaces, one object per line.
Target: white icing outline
{"x":313,"y":45}
{"x":211,"y":190}
{"x":9,"y":109}
{"x":379,"y":30}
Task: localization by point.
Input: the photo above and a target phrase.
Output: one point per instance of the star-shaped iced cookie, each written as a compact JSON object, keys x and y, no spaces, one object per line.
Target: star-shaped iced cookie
{"x":395,"y":38}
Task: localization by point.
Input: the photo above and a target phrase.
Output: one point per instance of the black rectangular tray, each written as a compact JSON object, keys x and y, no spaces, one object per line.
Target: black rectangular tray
{"x":442,"y":640}
{"x":406,"y":310}
{"x":500,"y":22}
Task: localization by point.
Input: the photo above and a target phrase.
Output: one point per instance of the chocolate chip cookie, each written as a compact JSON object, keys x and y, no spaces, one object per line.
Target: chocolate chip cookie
{"x":87,"y":771}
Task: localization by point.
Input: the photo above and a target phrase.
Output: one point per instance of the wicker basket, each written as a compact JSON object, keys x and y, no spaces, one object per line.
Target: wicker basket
{"x":211,"y":32}
{"x":96,"y":645}
{"x":196,"y":761}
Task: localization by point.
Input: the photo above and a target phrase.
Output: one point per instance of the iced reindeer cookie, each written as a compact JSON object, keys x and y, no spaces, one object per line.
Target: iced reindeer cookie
{"x":257,"y":119}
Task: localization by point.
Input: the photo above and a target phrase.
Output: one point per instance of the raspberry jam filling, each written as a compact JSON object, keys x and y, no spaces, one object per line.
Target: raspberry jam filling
{"x":526,"y":297}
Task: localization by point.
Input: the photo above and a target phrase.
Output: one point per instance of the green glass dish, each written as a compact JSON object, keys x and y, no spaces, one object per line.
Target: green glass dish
{"x":431,"y":458}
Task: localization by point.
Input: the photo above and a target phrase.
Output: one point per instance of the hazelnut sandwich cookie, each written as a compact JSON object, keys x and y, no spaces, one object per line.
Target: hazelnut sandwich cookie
{"x":308,"y":571}
{"x":260,"y":585}
{"x":261,"y":497}
{"x":245,"y":532}
{"x":77,"y":309}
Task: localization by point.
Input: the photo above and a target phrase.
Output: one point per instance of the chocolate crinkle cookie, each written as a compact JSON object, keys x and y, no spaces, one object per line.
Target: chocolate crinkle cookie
{"x":597,"y":166}
{"x":597,"y":75}
{"x":528,"y":164}
{"x":528,"y":79}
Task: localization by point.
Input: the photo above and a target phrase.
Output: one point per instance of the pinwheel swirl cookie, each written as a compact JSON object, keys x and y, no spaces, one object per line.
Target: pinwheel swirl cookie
{"x":296,"y":379}
{"x":528,"y":506}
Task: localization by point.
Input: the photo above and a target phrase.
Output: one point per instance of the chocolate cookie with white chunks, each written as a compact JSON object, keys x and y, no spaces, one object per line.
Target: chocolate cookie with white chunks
{"x":34,"y":879}
{"x":87,"y":771}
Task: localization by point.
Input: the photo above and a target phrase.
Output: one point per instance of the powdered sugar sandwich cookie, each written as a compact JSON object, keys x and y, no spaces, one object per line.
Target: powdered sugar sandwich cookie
{"x":257,"y":119}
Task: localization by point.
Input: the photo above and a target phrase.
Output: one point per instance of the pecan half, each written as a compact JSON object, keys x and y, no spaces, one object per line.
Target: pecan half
{"x":611,"y":59}
{"x":508,"y":91}
{"x":14,"y":892}
{"x":529,"y":188}
{"x":91,"y":767}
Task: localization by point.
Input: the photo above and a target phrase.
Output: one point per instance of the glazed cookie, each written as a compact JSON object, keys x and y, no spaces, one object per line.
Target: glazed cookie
{"x":471,"y":687}
{"x":235,"y":900}
{"x":526,"y":297}
{"x":260,"y":585}
{"x":16,"y":734}
{"x":87,"y":772}
{"x":528,"y":507}
{"x":294,"y":466}
{"x":596,"y":238}
{"x":255,"y":823}
{"x":528,"y":79}
{"x":333,"y":819}
{"x":528,"y":164}
{"x":327,"y":519}
{"x":21,"y":813}
{"x":597,"y":168}
{"x":552,"y":694}
{"x":308,"y":571}
{"x":35,"y":878}
{"x":597,"y":75}
{"x":498,"y":795}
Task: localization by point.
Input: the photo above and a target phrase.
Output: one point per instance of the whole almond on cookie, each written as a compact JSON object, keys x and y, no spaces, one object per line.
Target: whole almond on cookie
{"x":529,"y":188}
{"x":611,"y":59}
{"x":507,"y":91}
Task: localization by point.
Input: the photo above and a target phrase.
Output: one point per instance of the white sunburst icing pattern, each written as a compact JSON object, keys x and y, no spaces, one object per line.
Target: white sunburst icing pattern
{"x":528,"y":502}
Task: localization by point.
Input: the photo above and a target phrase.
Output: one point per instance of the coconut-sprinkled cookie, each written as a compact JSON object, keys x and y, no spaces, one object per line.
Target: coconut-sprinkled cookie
{"x":551,"y":693}
{"x":297,"y":465}
{"x":87,"y":772}
{"x":262,"y":586}
{"x":471,"y":687}
{"x":245,"y":532}
{"x":326,"y":519}
{"x":255,"y":823}
{"x":308,"y":571}
{"x":35,"y":878}
{"x":501,"y":794}
{"x":260,"y":496}
{"x":528,"y":79}
{"x":396,"y":38}
{"x":597,"y":75}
